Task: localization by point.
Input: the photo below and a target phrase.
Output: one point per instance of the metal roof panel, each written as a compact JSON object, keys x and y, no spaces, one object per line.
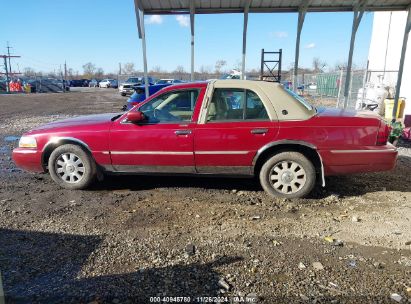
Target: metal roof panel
{"x":264,"y":6}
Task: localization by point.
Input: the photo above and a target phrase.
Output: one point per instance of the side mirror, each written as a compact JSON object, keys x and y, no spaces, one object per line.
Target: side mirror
{"x":135,"y":116}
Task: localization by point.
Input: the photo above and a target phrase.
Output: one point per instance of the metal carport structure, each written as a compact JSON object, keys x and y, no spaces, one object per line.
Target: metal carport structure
{"x":193,"y":7}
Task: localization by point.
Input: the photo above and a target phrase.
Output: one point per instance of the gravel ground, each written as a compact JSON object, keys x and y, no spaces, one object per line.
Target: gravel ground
{"x":132,"y":238}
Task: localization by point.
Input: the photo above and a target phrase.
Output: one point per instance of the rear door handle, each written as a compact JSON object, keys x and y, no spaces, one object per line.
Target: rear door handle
{"x":182,"y":132}
{"x":259,"y":131}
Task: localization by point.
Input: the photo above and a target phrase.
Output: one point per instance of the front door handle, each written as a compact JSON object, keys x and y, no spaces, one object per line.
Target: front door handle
{"x":182,"y":132}
{"x":259,"y":131}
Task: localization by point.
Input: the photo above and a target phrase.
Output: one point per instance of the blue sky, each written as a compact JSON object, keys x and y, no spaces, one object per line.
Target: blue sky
{"x":47,"y":32}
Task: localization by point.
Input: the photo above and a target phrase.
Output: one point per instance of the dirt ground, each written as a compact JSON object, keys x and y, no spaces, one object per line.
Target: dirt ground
{"x":198,"y":240}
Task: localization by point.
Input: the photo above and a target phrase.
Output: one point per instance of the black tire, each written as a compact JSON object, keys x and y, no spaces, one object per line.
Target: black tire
{"x":71,"y":167}
{"x":282,"y":175}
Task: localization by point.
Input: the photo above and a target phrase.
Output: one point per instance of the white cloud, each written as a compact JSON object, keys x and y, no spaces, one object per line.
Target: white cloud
{"x":184,"y":21}
{"x":310,"y":45}
{"x":279,"y":34}
{"x":154,"y":19}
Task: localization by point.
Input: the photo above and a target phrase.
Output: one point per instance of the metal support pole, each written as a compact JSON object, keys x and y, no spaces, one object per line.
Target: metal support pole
{"x":143,"y":44}
{"x":401,"y":68}
{"x":246,"y":9}
{"x":280,"y":60}
{"x":262,"y":65}
{"x":301,"y":17}
{"x":142,"y":36}
{"x":358,"y":13}
{"x":192,"y":15}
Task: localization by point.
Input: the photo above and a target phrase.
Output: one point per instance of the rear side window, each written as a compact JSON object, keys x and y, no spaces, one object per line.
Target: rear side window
{"x":234,"y":105}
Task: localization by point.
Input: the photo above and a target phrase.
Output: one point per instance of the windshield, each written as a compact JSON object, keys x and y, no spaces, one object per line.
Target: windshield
{"x":134,"y":80}
{"x":164,"y":81}
{"x":304,"y":102}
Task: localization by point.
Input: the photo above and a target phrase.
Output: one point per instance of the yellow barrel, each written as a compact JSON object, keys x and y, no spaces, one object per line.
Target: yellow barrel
{"x":389,"y":106}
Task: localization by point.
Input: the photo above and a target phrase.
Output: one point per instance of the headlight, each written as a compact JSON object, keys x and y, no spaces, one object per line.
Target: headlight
{"x":27,"y":142}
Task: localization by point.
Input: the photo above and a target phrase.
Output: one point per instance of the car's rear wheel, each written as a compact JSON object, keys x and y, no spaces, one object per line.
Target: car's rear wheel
{"x":71,"y":167}
{"x":288,"y":175}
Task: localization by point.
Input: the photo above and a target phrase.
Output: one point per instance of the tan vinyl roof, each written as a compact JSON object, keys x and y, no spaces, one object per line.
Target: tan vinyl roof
{"x":264,"y":6}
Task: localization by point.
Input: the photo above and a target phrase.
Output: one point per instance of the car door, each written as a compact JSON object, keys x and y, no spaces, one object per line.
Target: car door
{"x":161,"y":143}
{"x":237,"y":124}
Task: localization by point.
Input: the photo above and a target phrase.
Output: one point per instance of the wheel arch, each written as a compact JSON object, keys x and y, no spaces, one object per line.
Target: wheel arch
{"x":55,"y":142}
{"x":305,"y":148}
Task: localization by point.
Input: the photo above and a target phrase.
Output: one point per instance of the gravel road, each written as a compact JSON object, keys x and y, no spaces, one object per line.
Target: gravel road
{"x":141,"y":239}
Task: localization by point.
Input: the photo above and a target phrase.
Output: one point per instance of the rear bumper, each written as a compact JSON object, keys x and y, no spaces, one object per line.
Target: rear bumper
{"x":366,"y":159}
{"x":28,"y":159}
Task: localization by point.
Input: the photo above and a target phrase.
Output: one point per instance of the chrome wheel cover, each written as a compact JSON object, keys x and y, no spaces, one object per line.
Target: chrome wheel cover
{"x":70,"y":168}
{"x":287,"y":177}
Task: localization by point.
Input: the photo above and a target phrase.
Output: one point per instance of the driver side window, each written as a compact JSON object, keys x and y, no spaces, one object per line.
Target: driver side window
{"x":171,"y":106}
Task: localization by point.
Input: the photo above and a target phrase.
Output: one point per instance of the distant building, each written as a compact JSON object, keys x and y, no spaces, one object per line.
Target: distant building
{"x":385,"y":51}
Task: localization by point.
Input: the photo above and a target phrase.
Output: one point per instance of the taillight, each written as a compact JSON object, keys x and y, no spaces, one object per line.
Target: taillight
{"x":383,"y":133}
{"x":134,"y":103}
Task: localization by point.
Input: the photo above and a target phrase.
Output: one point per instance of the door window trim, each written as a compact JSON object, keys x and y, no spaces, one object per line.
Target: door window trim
{"x":182,"y":122}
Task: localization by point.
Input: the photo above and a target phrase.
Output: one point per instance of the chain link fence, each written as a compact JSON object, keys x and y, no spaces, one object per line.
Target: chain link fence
{"x":328,"y":88}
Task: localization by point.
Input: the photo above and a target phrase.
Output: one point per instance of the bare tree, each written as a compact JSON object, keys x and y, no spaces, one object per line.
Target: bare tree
{"x":156,"y":69}
{"x":205,"y":69}
{"x":128,"y":68}
{"x":29,"y":71}
{"x":318,"y":65}
{"x":238,"y":65}
{"x":179,"y":71}
{"x":89,"y":69}
{"x":70,"y":73}
{"x":219,"y":65}
{"x":99,"y":73}
{"x":343,"y":66}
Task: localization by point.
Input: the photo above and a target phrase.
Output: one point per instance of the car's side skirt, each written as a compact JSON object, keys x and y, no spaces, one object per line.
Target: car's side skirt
{"x":203,"y":170}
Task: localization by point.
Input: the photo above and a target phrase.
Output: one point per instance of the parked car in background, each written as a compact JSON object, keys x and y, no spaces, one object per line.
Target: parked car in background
{"x":225,"y":127}
{"x":93,"y":83}
{"x":127,"y":88}
{"x":168,"y":81}
{"x":108,"y":83}
{"x":76,"y":83}
{"x":139,"y":94}
{"x":312,"y":86}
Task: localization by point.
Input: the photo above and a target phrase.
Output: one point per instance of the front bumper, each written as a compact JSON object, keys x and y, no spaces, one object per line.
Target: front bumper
{"x":28,"y":159}
{"x":126,"y":90}
{"x":366,"y":159}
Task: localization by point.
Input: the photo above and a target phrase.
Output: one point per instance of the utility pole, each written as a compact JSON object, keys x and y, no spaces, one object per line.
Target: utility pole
{"x":7,"y":74}
{"x":119,"y":68}
{"x":5,"y":57}
{"x":8,"y":53}
{"x":65,"y":77}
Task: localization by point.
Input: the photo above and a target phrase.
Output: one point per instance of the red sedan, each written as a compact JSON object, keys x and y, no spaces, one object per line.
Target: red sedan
{"x":223,"y":127}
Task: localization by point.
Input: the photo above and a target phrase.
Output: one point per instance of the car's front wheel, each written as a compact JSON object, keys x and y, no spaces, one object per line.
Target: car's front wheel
{"x":288,"y":175}
{"x":71,"y":167}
